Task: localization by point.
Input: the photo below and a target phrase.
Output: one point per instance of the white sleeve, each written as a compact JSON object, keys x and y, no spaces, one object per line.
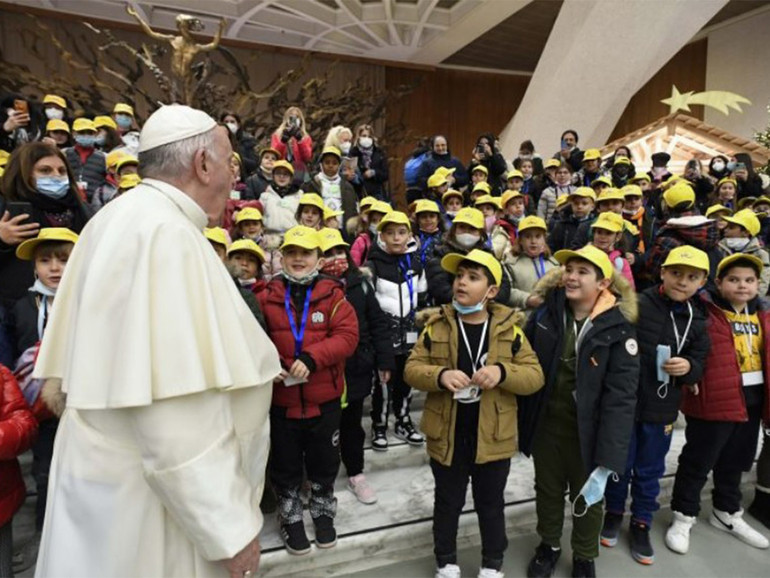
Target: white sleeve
{"x":192,"y":461}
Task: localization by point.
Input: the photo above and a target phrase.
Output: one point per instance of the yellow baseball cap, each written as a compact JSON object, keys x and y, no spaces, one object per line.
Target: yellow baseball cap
{"x":671,"y":181}
{"x":480,"y":168}
{"x":330,"y":213}
{"x":283,"y":165}
{"x":471,"y":217}
{"x":561,"y":201}
{"x":532,"y":222}
{"x":724,"y":180}
{"x":451,"y":262}
{"x":679,"y":194}
{"x":55,"y":99}
{"x":488,"y":200}
{"x":585,"y":192}
{"x":609,"y":221}
{"x":129,"y":181}
{"x":102,"y":121}
{"x":444,"y":171}
{"x":508,"y":196}
{"x":601,"y":180}
{"x":312,"y":199}
{"x":125,"y":160}
{"x":632,"y":191}
{"x":365,"y":202}
{"x":589,"y":253}
{"x":747,"y":219}
{"x":622,"y":161}
{"x":720,"y":208}
{"x":396,"y":217}
{"x":425,"y":206}
{"x":514,"y":174}
{"x":216,"y":235}
{"x":436,"y":180}
{"x":26,"y":250}
{"x":739,"y":257}
{"x":123,"y":108}
{"x":690,"y":256}
{"x":82,"y":124}
{"x":592,"y":155}
{"x":640,"y":177}
{"x":380,"y":207}
{"x":451,"y":193}
{"x":113,"y":158}
{"x":248,"y":246}
{"x":763,"y":200}
{"x":551,"y":163}
{"x":4,"y":156}
{"x":56,"y":124}
{"x":331,"y":150}
{"x":611,"y":194}
{"x":301,"y":236}
{"x":331,"y":238}
{"x":248,"y":214}
{"x":482,"y":186}
{"x":262,"y":151}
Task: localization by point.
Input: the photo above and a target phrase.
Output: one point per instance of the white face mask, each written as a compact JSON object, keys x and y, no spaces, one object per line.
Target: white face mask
{"x":366,"y":142}
{"x":736,"y":243}
{"x":54,"y":113}
{"x":467,"y":240}
{"x":345,"y":147}
{"x":233,"y":126}
{"x":718,"y":166}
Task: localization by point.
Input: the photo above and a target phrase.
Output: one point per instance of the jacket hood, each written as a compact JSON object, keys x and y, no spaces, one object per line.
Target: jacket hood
{"x":620,"y":294}
{"x":693,"y":230}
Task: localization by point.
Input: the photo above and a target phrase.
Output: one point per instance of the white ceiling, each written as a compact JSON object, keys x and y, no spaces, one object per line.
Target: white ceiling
{"x":422,"y":31}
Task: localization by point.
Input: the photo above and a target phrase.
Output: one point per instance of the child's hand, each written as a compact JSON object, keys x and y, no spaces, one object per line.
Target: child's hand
{"x":630,"y":258}
{"x":487,"y":377}
{"x":454,"y":380}
{"x":299,"y":370}
{"x":281,"y":376}
{"x":677,"y":366}
{"x":384,"y":375}
{"x":534,"y":301}
{"x":693,"y":389}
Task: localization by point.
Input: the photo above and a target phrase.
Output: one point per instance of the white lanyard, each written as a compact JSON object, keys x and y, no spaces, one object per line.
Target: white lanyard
{"x":474,"y":359}
{"x":578,"y":334}
{"x":680,"y":343}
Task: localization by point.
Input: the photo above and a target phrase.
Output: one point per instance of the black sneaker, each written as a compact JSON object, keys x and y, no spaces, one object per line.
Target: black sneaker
{"x":543,"y":563}
{"x":611,"y":529}
{"x":641,"y":548}
{"x":295,"y":539}
{"x":379,"y":438}
{"x":404,"y":430}
{"x":583,"y":568}
{"x":325,"y":534}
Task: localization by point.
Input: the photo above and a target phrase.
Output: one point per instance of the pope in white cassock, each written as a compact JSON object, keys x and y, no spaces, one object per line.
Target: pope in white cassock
{"x":160,"y":455}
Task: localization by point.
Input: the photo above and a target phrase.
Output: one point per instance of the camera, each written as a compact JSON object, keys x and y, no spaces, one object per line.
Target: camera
{"x":480,"y":149}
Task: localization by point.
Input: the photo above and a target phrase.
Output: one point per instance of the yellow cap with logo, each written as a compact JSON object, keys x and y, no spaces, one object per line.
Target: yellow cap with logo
{"x":713,"y":209}
{"x":451,"y":263}
{"x":451,"y":193}
{"x":380,"y":207}
{"x":632,"y":191}
{"x":532,"y":222}
{"x":444,"y":171}
{"x":286,"y":165}
{"x":611,"y":194}
{"x":248,"y":214}
{"x":113,"y":158}
{"x":425,"y":206}
{"x":488,"y":200}
{"x":514,"y":174}
{"x":508,"y":196}
{"x":216,"y":235}
{"x":436,"y":180}
{"x":471,"y":217}
{"x":303,"y":237}
{"x":592,"y":155}
{"x":55,"y":99}
{"x":690,"y":256}
{"x":365,"y":202}
{"x":584,"y":192}
{"x":313,"y":200}
{"x":108,"y":121}
{"x":609,"y":222}
{"x":331,"y":150}
{"x":482,"y":186}
{"x":56,"y":124}
{"x":394,"y":217}
{"x":552,"y":164}
{"x":679,"y":194}
{"x":331,"y":238}
{"x":82,"y":124}
{"x":26,"y":250}
{"x":248,"y":246}
{"x":589,"y":253}
{"x":747,"y":219}
{"x":739,"y":257}
{"x":480,"y":168}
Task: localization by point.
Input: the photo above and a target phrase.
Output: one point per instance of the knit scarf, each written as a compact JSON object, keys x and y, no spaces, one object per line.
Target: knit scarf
{"x":637,"y":218}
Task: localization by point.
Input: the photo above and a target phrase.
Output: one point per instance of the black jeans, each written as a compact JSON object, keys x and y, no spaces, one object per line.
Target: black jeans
{"x":726,"y":447}
{"x":6,"y":550}
{"x":352,"y":437}
{"x":42,"y":454}
{"x":487,"y":483}
{"x":395,"y":395}
{"x":315,"y":443}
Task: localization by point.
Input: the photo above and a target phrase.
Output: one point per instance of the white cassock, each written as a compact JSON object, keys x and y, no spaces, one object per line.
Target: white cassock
{"x":160,"y":456}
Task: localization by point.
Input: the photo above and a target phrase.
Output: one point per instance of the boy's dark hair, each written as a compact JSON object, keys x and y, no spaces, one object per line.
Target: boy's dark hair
{"x":572,"y":132}
{"x":742,"y":262}
{"x":599,"y":274}
{"x":467,"y":264}
{"x":59,"y":249}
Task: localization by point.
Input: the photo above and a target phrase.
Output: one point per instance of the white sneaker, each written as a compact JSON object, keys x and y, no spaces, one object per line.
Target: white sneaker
{"x":489,"y":573}
{"x":678,"y":533}
{"x":448,"y":571}
{"x":362,"y":490}
{"x":735,"y":524}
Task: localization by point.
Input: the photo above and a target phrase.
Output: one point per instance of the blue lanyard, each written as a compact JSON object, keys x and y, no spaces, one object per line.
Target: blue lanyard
{"x":299,"y":336}
{"x":425,"y":246}
{"x":539,"y":271}
{"x":405,"y":267}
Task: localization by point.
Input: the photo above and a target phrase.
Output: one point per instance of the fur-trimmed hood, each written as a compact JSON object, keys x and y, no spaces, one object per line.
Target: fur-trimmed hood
{"x":620,"y":288}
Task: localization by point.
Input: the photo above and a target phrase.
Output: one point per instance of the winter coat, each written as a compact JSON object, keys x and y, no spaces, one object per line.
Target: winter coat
{"x":302,"y":151}
{"x":373,"y":186}
{"x":18,"y":429}
{"x":280,"y":212}
{"x":93,"y":171}
{"x":524,"y":276}
{"x":437,"y":350}
{"x":607,"y":373}
{"x":427,"y":245}
{"x":720,"y":396}
{"x":331,"y":336}
{"x":575,"y":159}
{"x":256,"y":184}
{"x":440,"y":281}
{"x":645,"y":224}
{"x":703,"y":187}
{"x":391,"y":276}
{"x":503,"y":235}
{"x":547,"y":203}
{"x":564,"y":231}
{"x":583,"y":179}
{"x":245,"y":145}
{"x":23,"y":321}
{"x":655,"y":328}
{"x":360,"y":249}
{"x":753,"y":247}
{"x":434,"y":161}
{"x":16,"y":275}
{"x":374,"y":350}
{"x":349,"y":198}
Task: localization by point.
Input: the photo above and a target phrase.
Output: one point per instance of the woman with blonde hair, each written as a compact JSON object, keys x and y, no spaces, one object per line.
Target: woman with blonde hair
{"x":292,"y":140}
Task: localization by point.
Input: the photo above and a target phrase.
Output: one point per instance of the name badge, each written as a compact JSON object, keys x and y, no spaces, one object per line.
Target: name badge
{"x":411,"y":337}
{"x":291,"y":380}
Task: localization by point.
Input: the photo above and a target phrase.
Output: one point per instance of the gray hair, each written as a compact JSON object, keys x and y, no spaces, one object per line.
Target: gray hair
{"x":174,"y":160}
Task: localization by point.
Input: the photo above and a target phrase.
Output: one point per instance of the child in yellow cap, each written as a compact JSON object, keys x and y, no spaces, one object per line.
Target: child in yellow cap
{"x":561,"y":187}
{"x":529,"y":261}
{"x":310,"y":212}
{"x":246,"y":259}
{"x":337,"y":192}
{"x":505,"y":229}
{"x":607,"y":235}
{"x":369,"y":220}
{"x":429,"y":228}
{"x":581,"y":210}
{"x":473,"y":380}
{"x":741,"y":235}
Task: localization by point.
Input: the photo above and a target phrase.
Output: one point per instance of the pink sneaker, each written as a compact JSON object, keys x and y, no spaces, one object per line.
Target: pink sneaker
{"x":362,"y":490}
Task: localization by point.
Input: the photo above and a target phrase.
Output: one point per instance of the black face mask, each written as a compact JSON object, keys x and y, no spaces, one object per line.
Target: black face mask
{"x":281,"y":191}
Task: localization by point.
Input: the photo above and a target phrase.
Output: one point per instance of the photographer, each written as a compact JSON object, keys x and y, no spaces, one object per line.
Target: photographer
{"x":21,"y":122}
{"x":487,"y":154}
{"x":293,"y":142}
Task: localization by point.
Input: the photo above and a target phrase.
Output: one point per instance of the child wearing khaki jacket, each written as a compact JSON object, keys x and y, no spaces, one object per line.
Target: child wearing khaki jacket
{"x":473,"y":361}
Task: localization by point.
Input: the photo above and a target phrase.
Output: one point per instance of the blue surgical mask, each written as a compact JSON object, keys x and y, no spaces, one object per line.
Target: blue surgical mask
{"x":100,"y":140}
{"x":593,"y":490}
{"x":85,"y":140}
{"x":124,"y":121}
{"x":53,"y":187}
{"x":468,"y":309}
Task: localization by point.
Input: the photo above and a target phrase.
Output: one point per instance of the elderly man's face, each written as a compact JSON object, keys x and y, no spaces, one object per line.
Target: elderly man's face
{"x":221,"y":180}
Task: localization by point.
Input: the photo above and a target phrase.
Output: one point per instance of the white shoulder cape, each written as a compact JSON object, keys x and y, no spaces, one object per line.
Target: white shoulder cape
{"x":146,"y":310}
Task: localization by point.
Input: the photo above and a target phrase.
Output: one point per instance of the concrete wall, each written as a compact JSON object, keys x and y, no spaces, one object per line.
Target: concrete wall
{"x":739,"y":61}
